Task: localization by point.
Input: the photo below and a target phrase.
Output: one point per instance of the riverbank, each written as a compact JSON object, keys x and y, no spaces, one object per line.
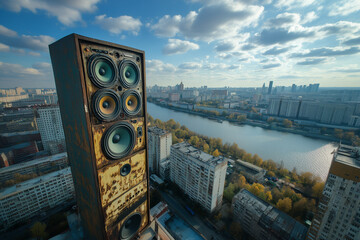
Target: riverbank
{"x":255,"y":123}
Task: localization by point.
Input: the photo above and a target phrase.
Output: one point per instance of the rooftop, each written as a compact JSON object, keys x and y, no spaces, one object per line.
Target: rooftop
{"x":33,"y":162}
{"x":7,"y":192}
{"x":348,"y":155}
{"x":254,"y":169}
{"x":157,"y":131}
{"x":196,"y":153}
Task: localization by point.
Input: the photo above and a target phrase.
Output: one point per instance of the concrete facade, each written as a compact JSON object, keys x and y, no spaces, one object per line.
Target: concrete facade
{"x":159,"y":148}
{"x":200,"y":175}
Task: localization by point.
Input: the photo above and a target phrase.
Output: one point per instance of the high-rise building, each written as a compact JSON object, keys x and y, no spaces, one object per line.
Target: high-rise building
{"x":270,"y":87}
{"x":338,"y":213}
{"x":51,"y":129}
{"x":274,"y":106}
{"x":293,"y":88}
{"x":263,"y":221}
{"x":159,"y":148}
{"x":200,"y":175}
{"x":21,"y":202}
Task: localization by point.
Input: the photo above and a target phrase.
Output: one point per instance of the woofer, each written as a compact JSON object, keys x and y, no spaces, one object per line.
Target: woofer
{"x":129,"y":73}
{"x":118,"y":140}
{"x":130,"y":226}
{"x":102,"y":71}
{"x":106,"y":104}
{"x":131,"y":102}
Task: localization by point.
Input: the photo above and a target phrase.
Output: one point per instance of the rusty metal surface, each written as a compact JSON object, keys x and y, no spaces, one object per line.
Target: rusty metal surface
{"x":98,"y":133}
{"x":113,"y":232}
{"x":112,"y":184}
{"x":114,"y":209}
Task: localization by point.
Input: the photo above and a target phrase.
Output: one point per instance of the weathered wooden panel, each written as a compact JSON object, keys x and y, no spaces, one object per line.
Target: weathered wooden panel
{"x":99,"y":130}
{"x":112,"y":184}
{"x":116,"y":207}
{"x":114,"y":231}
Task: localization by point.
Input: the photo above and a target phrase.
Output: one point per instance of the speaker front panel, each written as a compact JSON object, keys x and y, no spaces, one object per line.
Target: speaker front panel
{"x":114,"y":209}
{"x":128,"y":226}
{"x":117,"y":178}
{"x":105,"y":140}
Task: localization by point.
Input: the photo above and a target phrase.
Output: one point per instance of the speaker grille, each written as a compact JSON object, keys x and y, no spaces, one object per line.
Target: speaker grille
{"x":119,"y":140}
{"x":132,"y":102}
{"x":129,"y":74}
{"x":106,"y":104}
{"x":102,"y":70}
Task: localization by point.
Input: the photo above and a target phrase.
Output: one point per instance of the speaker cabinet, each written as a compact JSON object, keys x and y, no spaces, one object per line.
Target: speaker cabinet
{"x":101,"y":91}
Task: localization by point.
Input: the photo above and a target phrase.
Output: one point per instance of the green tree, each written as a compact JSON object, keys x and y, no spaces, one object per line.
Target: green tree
{"x":38,"y":230}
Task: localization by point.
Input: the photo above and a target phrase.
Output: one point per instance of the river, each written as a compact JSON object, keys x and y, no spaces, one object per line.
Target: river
{"x":304,"y":153}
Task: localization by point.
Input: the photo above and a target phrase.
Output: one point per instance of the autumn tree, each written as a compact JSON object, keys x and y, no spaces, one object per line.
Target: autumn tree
{"x":241,"y":118}
{"x":284,"y":204}
{"x":338,"y":133}
{"x":287,"y":123}
{"x":216,"y":153}
{"x":317,"y":189}
{"x":38,"y":230}
{"x":349,"y":135}
{"x":257,"y":188}
{"x":268,"y":196}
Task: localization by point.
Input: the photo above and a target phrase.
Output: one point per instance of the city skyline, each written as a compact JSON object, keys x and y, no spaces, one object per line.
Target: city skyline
{"x":197,"y":42}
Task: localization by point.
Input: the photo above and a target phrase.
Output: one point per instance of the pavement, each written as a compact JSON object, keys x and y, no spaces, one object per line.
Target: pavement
{"x":176,"y":206}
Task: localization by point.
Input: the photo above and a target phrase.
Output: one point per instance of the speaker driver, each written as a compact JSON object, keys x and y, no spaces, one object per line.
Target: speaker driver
{"x":102,"y":70}
{"x":125,"y":170}
{"x":118,"y":140}
{"x":131,"y":102}
{"x":129,"y":73}
{"x":130,"y":226}
{"x":106,"y":104}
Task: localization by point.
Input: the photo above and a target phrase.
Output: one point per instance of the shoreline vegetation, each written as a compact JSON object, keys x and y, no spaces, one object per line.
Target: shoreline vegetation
{"x":298,"y":194}
{"x":286,"y":125}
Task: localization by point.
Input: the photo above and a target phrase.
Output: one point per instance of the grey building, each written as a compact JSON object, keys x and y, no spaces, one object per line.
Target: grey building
{"x":251,"y":172}
{"x":159,"y":148}
{"x":263,"y":221}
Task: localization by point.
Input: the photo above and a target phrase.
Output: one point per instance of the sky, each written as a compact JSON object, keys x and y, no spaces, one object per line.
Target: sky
{"x":214,"y":43}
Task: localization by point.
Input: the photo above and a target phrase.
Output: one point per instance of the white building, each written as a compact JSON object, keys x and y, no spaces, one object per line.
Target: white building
{"x":27,"y":199}
{"x":51,"y":130}
{"x":338,"y":212}
{"x":159,"y":148}
{"x":200,"y":175}
{"x":38,"y":166}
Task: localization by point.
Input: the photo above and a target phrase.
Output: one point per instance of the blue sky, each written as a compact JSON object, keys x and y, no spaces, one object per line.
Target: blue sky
{"x":236,"y":43}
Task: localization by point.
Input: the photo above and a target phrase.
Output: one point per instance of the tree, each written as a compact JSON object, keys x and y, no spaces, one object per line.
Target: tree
{"x":287,"y":123}
{"x":257,"y":188}
{"x":241,"y":118}
{"x":270,"y":120}
{"x":229,"y":192}
{"x":317,"y":189}
{"x":268,"y":196}
{"x":338,"y":133}
{"x":349,"y":135}
{"x":38,"y":230}
{"x":206,"y":147}
{"x":270,"y":174}
{"x":284,"y":204}
{"x":216,"y":153}
{"x":356,"y":140}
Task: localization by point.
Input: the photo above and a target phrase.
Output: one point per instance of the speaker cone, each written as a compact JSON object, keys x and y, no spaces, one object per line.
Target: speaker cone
{"x":129,"y":73}
{"x":106,"y":104}
{"x":130,"y":226}
{"x":102,"y":70}
{"x":119,"y":140}
{"x":125,"y":170}
{"x":131,"y":102}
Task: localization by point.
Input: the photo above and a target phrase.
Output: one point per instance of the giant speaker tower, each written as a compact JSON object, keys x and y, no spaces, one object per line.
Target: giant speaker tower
{"x":101,"y":91}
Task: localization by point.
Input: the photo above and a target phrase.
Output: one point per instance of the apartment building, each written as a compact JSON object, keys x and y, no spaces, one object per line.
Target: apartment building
{"x":263,"y":221}
{"x":200,"y":175}
{"x":51,"y":130}
{"x":159,"y":148}
{"x":27,"y":199}
{"x":338,"y":212}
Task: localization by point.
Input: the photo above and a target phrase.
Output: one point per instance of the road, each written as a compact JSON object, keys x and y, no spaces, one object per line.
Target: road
{"x":176,"y":206}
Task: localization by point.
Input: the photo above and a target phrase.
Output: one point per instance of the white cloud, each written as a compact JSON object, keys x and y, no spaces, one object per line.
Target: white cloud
{"x":190,"y":65}
{"x":293,"y":4}
{"x":36,"y":43}
{"x":4,"y":48}
{"x":67,"y":12}
{"x":344,"y":7}
{"x":177,"y":46}
{"x":309,"y":17}
{"x":16,"y":70}
{"x":284,"y":20}
{"x":118,"y":24}
{"x":209,"y":23}
{"x":159,"y":66}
